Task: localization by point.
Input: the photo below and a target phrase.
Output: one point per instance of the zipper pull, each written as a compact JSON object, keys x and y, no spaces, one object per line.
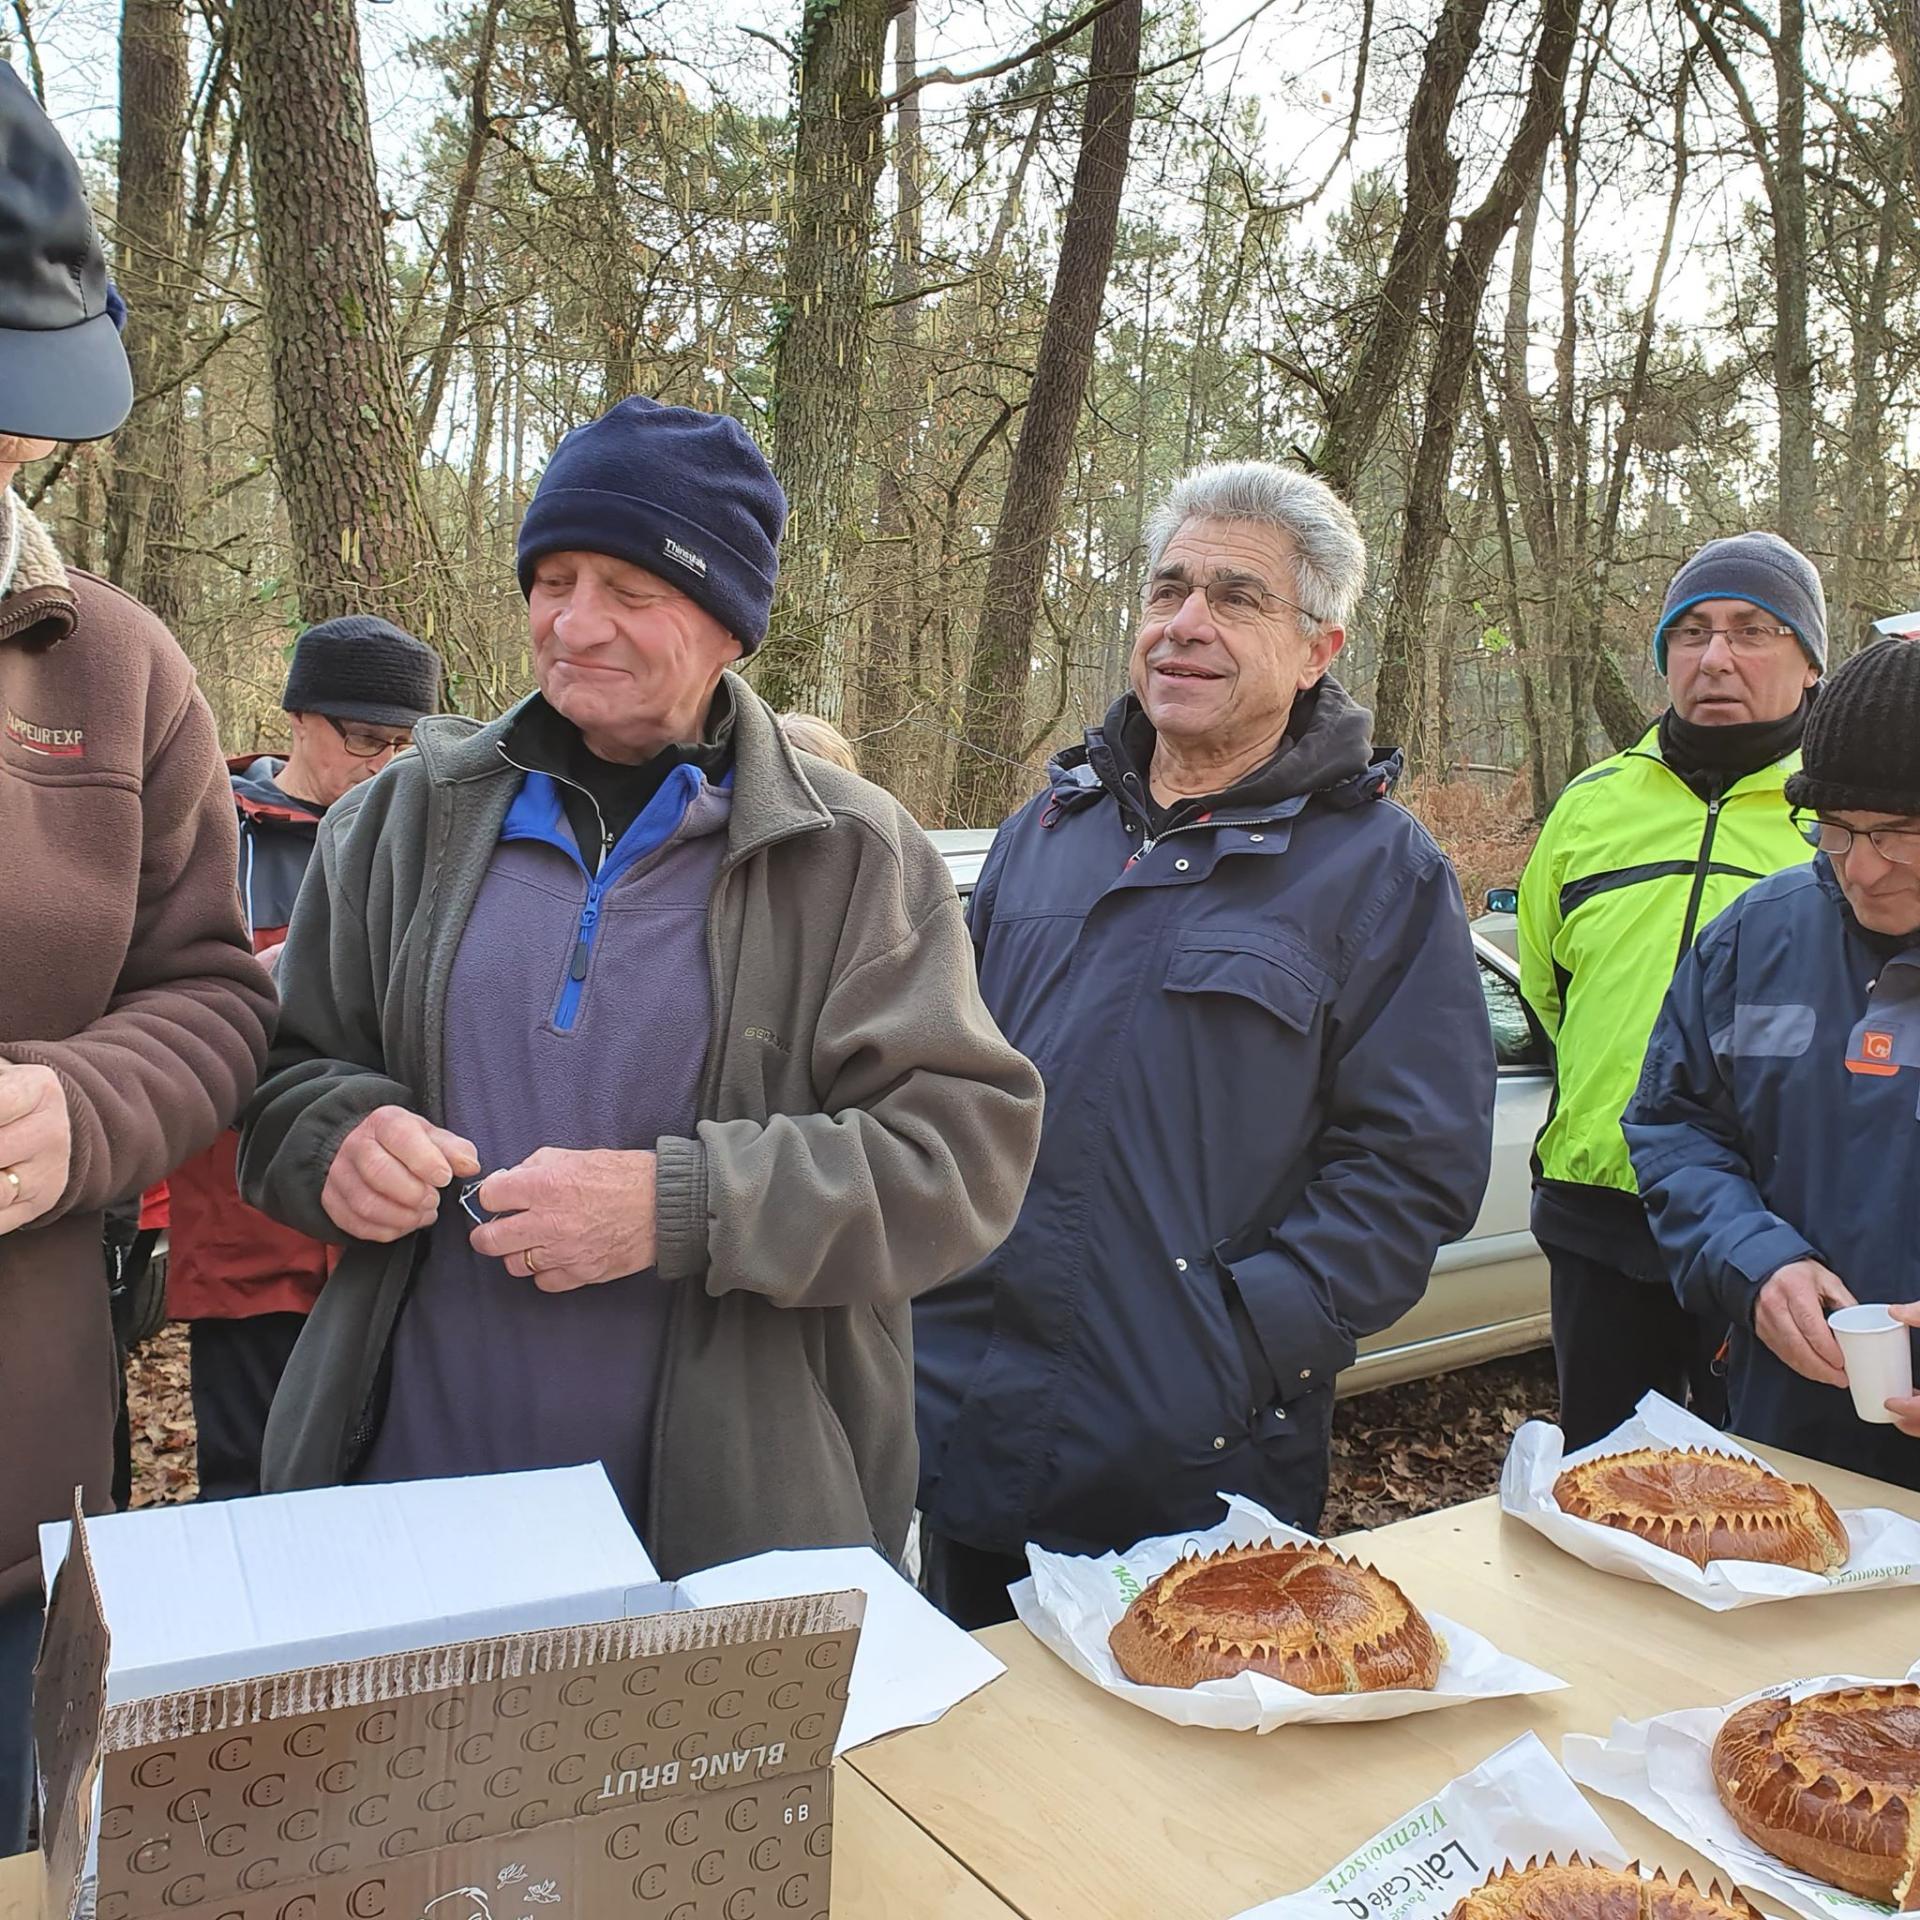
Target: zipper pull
{"x":584,"y":940}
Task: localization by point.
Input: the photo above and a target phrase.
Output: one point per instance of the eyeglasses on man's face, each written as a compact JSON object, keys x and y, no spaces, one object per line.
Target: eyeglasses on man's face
{"x":1747,"y":638}
{"x":369,"y":743}
{"x":1234,"y":600}
{"x":1898,"y":845}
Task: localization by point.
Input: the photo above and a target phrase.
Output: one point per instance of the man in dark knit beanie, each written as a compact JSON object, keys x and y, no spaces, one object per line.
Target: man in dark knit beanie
{"x":355,"y":689}
{"x":1637,"y":856}
{"x":241,"y":1282}
{"x":1774,"y":1130}
{"x":636,"y":1058}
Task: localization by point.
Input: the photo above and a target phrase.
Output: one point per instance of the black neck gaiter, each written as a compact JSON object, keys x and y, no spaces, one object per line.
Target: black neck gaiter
{"x":1711,"y":759}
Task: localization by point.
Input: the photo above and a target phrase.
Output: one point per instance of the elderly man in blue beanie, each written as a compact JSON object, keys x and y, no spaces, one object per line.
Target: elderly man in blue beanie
{"x":1636,"y":858}
{"x":634,"y":1059}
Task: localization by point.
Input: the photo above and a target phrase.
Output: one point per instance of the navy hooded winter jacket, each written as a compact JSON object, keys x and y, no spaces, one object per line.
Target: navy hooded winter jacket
{"x":1768,"y":1128}
{"x":1269,"y":1101}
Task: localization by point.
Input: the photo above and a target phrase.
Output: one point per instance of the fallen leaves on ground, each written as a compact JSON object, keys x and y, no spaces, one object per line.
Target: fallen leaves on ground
{"x":160,"y":1419}
{"x":1396,"y":1452}
{"x":1432,"y":1443}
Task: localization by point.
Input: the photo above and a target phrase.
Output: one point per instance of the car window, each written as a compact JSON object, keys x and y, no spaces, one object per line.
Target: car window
{"x":1516,"y":1040}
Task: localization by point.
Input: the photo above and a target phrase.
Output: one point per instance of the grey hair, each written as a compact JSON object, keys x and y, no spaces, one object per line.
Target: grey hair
{"x":1330,"y":554}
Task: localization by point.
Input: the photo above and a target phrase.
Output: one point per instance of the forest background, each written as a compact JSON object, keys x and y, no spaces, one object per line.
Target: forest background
{"x":1552,"y":290}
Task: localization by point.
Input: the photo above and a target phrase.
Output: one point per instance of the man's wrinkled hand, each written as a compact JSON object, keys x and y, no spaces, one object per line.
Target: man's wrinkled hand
{"x":385,"y":1180}
{"x":571,"y":1218}
{"x":1791,"y":1317}
{"x":1906,"y":1409}
{"x":36,"y":1144}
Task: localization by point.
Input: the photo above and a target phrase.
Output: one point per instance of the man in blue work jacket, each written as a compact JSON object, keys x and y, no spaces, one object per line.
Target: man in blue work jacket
{"x":1775,"y":1133}
{"x":1246,"y":978}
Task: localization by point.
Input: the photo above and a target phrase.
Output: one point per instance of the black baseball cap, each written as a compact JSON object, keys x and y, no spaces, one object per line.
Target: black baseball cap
{"x":63,"y":371}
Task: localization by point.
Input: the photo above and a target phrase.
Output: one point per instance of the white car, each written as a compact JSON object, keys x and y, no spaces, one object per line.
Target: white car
{"x":1488,"y":1295}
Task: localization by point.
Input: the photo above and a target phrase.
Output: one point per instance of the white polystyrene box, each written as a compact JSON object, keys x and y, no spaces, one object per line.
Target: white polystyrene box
{"x":235,"y":1589}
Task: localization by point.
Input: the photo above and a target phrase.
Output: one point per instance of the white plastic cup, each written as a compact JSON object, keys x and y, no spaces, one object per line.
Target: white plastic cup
{"x":1879,"y":1356}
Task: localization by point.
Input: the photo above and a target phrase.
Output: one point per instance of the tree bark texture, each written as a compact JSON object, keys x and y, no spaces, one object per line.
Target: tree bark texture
{"x":895,"y":686}
{"x":1424,"y":530}
{"x":343,"y":432}
{"x":454,"y":242}
{"x":1779,"y":146}
{"x":1364,"y":405}
{"x":1792,"y":348}
{"x":820,"y":364}
{"x":991,"y":776}
{"x":146,"y":515}
{"x":594,"y":102}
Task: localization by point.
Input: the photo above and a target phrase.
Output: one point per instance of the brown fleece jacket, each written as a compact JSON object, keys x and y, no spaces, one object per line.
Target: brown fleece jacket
{"x":124,"y":967}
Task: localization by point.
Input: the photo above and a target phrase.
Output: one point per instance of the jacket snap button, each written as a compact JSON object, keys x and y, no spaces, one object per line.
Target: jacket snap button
{"x":1179,"y":1266}
{"x":1219,"y":1443}
{"x":1279,"y":1413}
{"x":1306,"y":1373}
{"x":1256,"y":838}
{"x":1180,"y":866}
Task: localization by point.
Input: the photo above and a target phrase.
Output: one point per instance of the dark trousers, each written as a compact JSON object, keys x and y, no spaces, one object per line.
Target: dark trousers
{"x":235,"y":1367}
{"x":19,"y":1647}
{"x":1614,"y":1337}
{"x":968,"y":1584}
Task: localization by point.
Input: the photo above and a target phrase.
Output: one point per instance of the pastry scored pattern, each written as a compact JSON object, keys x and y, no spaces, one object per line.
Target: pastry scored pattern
{"x":1304,"y":1615}
{"x":1706,"y":1506}
{"x":1577,"y":1889}
{"x":1831,"y":1785}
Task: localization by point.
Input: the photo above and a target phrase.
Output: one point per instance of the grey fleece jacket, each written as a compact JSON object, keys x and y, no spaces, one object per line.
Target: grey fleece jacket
{"x":865,"y":1133}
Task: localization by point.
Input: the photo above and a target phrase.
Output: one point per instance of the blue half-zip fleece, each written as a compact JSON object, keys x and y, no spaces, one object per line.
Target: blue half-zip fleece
{"x":579,"y":1014}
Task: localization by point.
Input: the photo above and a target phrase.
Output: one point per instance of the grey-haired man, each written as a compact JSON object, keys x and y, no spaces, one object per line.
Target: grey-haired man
{"x":1247,"y":980}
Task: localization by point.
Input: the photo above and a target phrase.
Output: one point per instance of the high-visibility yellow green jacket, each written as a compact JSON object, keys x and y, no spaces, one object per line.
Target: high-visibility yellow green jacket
{"x":1630,"y":866}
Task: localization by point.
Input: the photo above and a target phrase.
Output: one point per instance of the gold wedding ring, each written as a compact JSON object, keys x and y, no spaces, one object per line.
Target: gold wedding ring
{"x":531,"y":1268}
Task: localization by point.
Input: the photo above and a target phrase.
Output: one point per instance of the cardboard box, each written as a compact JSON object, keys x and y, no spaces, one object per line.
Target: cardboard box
{"x":676,"y":1764}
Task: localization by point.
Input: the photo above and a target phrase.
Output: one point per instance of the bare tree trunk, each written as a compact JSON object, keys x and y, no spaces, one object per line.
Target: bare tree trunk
{"x":146,"y":519}
{"x":1792,"y":349}
{"x":342,"y":427}
{"x":1362,"y":407}
{"x":453,"y":244}
{"x":1900,"y":22}
{"x":1425,"y":527}
{"x":594,"y":105}
{"x":1859,"y":529}
{"x":1616,"y":707}
{"x":821,"y":357}
{"x":1779,"y":147}
{"x":991,"y":774}
{"x":893,"y":688}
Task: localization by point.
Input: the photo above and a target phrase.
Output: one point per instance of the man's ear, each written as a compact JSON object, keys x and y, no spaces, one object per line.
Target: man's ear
{"x":1321,"y":650}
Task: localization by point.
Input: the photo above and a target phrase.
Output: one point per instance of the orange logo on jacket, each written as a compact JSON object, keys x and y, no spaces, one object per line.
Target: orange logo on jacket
{"x":55,"y":743}
{"x":1876,"y":1054}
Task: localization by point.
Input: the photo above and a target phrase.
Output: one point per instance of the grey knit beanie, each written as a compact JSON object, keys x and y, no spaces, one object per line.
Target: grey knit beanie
{"x":1762,"y":568}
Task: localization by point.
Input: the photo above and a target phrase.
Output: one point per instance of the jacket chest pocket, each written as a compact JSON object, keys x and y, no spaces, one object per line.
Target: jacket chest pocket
{"x":1248,"y":970}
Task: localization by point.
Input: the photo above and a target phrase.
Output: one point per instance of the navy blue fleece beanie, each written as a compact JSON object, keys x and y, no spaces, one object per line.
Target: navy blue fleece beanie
{"x":1762,"y":568}
{"x":684,"y":494}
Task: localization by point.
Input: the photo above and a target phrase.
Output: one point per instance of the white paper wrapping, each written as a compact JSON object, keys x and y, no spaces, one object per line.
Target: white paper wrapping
{"x":1512,"y":1808}
{"x":1663,"y":1768}
{"x":1884,"y":1547}
{"x":1072,"y":1604}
